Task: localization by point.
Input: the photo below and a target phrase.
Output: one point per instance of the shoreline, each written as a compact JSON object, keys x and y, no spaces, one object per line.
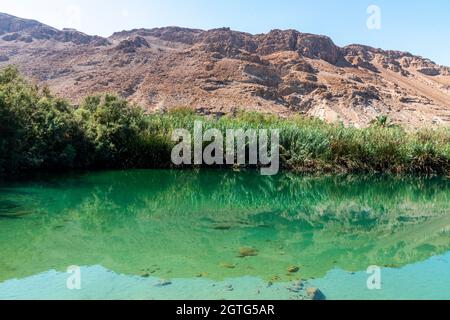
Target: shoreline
{"x":33,"y":175}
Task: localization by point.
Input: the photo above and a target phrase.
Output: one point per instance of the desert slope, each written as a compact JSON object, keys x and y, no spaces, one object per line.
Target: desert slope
{"x":218,"y":71}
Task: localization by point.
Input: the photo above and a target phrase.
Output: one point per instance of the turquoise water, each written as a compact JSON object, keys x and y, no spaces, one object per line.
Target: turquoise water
{"x":224,"y":235}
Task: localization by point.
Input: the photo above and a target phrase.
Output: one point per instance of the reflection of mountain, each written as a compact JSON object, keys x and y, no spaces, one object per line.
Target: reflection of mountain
{"x":181,"y":224}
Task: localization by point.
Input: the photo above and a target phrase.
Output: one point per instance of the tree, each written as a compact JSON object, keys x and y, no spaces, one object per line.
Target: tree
{"x":113,"y":127}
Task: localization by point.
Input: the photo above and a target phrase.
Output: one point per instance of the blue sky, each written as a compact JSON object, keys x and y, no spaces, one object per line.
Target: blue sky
{"x":418,"y":26}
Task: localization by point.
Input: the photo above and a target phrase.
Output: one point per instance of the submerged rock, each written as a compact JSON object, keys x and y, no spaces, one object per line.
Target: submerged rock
{"x":248,"y":252}
{"x":163,"y":283}
{"x":228,"y":265}
{"x":315,"y":294}
{"x":296,"y":287}
{"x":202,"y":275}
{"x":293,"y":269}
{"x":229,"y":287}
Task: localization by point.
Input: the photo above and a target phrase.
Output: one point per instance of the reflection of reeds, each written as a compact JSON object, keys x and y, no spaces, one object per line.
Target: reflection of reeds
{"x":191,"y":221}
{"x":167,"y":193}
{"x":13,"y":209}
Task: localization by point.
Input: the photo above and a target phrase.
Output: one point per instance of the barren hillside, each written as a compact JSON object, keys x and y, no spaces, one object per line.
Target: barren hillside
{"x":218,"y":71}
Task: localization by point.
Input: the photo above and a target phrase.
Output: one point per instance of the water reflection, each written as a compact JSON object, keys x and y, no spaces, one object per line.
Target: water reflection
{"x":174,"y":224}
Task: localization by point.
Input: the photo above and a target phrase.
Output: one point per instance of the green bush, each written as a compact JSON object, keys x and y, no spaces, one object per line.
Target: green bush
{"x":112,"y":127}
{"x":38,"y":131}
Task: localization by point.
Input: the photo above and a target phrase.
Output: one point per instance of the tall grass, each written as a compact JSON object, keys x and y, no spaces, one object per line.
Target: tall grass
{"x":311,"y":145}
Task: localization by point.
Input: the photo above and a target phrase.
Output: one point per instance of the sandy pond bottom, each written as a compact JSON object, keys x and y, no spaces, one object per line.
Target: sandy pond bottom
{"x":416,"y":281}
{"x":224,"y":235}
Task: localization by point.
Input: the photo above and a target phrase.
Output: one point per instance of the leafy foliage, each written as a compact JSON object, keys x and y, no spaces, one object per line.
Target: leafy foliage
{"x":37,"y":130}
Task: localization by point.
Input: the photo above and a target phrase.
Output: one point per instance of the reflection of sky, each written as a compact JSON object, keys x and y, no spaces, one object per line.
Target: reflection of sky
{"x":99,"y":283}
{"x":426,"y":280}
{"x":418,"y":26}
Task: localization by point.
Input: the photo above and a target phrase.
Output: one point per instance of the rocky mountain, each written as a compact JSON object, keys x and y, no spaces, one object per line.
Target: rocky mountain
{"x":218,"y":71}
{"x":27,"y":31}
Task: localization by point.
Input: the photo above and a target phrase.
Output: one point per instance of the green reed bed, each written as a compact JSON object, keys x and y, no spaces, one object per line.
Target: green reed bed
{"x":310,"y":145}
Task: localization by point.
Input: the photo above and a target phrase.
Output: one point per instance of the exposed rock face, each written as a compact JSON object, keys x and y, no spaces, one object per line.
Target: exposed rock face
{"x":130,"y":45}
{"x":318,"y":47}
{"x":23,"y":30}
{"x":277,"y":40}
{"x":217,"y":71}
{"x":11,"y":24}
{"x":430,"y":71}
{"x":170,"y":34}
{"x":307,"y":45}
